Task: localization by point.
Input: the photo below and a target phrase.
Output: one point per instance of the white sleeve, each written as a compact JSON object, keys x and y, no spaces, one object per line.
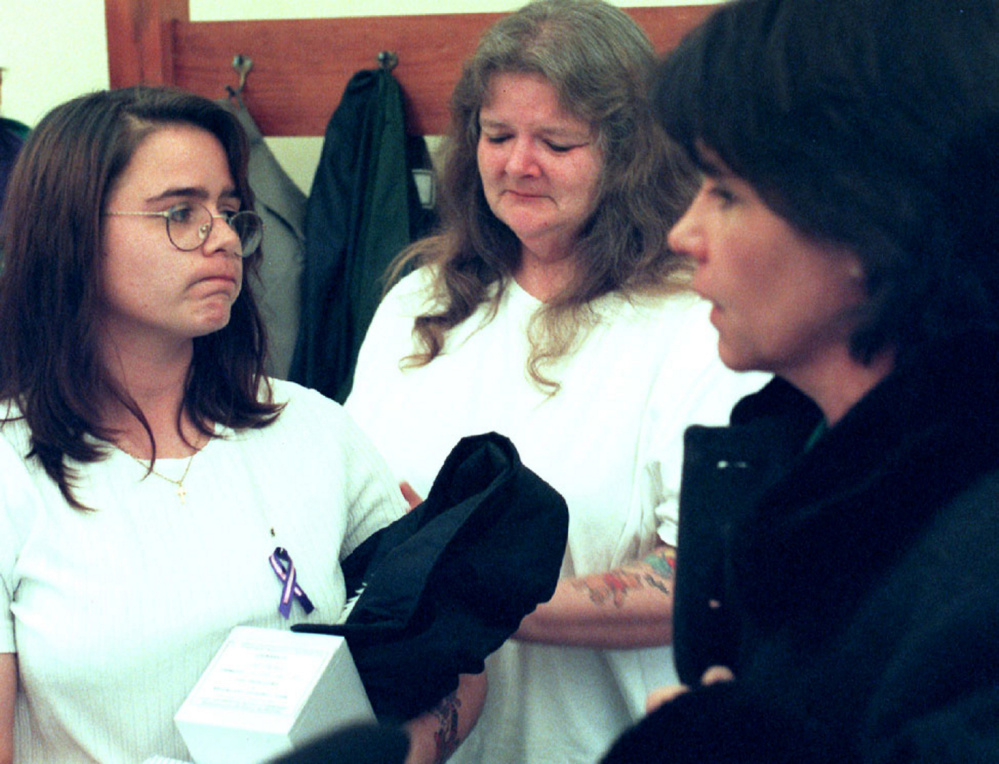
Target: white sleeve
{"x":18,"y":506}
{"x":696,"y":388}
{"x":352,"y":470}
{"x":374,"y":499}
{"x":389,"y":339}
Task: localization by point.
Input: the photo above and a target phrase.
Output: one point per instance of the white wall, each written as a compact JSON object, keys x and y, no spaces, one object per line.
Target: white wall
{"x":53,"y":50}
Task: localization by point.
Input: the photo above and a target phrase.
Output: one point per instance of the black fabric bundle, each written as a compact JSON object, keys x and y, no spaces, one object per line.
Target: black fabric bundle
{"x":360,"y":744}
{"x":444,"y":586}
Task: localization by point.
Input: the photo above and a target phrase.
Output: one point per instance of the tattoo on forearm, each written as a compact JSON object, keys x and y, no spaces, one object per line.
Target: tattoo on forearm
{"x":663,"y":562}
{"x":657,"y":583}
{"x":446,"y":736}
{"x":610,"y":587}
{"x":613,"y":587}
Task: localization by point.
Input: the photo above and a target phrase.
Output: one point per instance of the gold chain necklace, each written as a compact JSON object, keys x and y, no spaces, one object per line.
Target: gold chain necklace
{"x":181,"y":491}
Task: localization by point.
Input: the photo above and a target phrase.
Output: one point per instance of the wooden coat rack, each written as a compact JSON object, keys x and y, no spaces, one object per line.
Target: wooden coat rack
{"x":301,"y":66}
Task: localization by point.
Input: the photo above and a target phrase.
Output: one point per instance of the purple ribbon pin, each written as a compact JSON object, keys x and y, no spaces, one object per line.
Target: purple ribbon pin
{"x":284,"y":569}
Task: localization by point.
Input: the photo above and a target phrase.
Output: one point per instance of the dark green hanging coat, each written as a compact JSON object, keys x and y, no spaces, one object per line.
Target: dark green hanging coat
{"x":363,"y":208}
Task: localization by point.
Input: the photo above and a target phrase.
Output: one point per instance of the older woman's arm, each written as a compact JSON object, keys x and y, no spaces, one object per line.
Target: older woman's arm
{"x":629,"y":607}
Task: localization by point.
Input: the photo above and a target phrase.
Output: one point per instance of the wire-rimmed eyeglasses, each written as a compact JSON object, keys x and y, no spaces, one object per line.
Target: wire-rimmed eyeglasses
{"x":189,"y":224}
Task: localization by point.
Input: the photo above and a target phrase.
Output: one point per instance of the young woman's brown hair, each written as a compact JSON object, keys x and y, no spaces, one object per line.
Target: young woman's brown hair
{"x":50,"y":284}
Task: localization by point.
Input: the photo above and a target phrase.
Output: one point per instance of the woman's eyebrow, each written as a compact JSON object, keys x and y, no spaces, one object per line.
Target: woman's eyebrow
{"x":493,"y":123}
{"x":548,"y":131}
{"x":191,"y":192}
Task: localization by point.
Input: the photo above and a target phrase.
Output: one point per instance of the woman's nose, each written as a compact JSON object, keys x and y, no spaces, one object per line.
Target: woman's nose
{"x":521,"y":160}
{"x":686,"y":236}
{"x":222,"y":237}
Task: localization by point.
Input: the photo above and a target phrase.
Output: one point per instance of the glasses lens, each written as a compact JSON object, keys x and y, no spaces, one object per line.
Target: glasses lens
{"x":188,"y":225}
{"x":250,"y":229}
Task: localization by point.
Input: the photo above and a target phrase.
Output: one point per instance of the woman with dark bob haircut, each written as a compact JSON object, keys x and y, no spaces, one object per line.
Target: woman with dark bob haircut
{"x":152,"y":479}
{"x":550,"y":308}
{"x":837,"y":595}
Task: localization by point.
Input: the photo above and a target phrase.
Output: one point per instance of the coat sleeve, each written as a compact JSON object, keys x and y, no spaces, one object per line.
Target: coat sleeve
{"x":938,"y":697}
{"x":724,"y":724}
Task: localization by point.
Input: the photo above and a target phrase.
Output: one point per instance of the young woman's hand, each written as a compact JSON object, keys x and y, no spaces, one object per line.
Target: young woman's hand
{"x":664,"y":695}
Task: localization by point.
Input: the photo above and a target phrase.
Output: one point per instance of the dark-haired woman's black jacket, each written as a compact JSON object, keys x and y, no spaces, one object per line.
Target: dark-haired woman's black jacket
{"x":852,"y":587}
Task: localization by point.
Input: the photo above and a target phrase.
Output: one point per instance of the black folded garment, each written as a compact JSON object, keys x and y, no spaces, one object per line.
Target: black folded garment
{"x":360,"y":744}
{"x":444,"y":586}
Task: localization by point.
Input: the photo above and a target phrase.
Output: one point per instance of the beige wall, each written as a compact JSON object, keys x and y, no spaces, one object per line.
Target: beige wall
{"x":214,"y":10}
{"x":53,"y":50}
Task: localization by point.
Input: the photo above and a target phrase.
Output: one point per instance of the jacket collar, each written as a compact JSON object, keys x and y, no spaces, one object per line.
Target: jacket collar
{"x":852,"y":504}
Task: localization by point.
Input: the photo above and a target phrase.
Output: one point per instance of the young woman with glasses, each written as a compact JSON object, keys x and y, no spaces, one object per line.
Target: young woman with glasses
{"x":154,"y":484}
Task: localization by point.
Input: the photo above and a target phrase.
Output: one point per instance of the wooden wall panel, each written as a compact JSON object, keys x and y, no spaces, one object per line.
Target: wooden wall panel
{"x":139,"y":39}
{"x":300,"y":67}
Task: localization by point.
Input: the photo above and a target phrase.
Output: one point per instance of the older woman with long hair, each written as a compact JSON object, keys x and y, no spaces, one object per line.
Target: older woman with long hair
{"x":550,"y":308}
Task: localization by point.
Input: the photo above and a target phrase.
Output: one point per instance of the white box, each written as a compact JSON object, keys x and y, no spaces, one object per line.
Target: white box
{"x":268,"y":691}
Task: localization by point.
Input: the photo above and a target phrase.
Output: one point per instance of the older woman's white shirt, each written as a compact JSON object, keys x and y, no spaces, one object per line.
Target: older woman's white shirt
{"x":610,"y":441}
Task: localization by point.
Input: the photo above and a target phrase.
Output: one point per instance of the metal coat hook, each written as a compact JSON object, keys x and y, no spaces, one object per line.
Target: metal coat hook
{"x":388,"y":60}
{"x":242,"y":64}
